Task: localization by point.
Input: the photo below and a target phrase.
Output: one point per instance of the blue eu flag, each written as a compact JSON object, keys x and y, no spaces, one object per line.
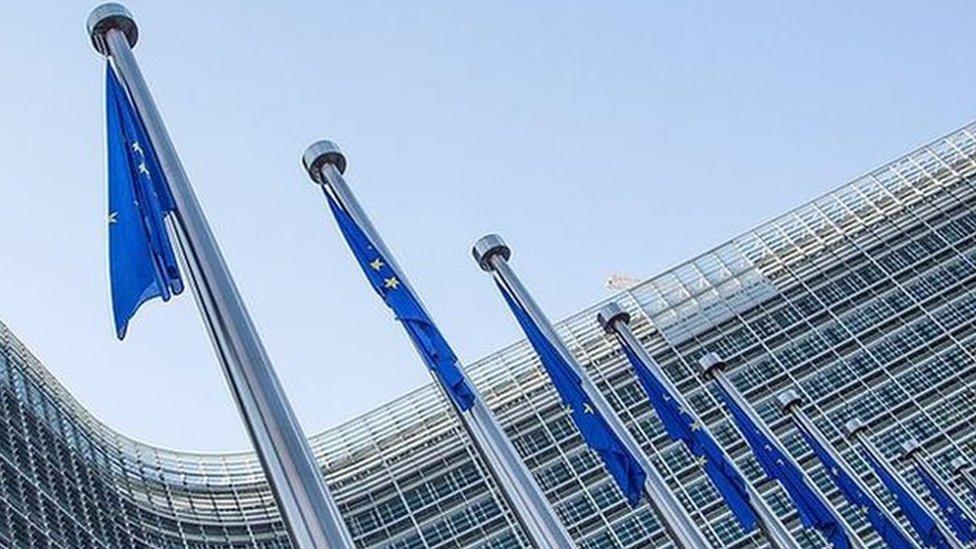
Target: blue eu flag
{"x":424,"y":334}
{"x":141,"y":260}
{"x":891,"y":534}
{"x":622,"y":465}
{"x":682,"y":426}
{"x":921,"y":520}
{"x":957,"y":518}
{"x":812,"y":510}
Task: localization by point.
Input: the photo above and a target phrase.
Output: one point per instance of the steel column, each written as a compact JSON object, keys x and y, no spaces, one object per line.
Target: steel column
{"x":326,"y":164}
{"x":304,"y":501}
{"x":857,"y":432}
{"x":790,"y":402}
{"x":492,"y":255}
{"x":616,"y":321}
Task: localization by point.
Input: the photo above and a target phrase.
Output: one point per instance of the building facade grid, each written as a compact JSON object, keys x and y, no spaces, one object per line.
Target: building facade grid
{"x":863,"y":300}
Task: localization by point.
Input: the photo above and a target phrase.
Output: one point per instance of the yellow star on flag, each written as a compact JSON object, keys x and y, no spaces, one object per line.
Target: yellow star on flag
{"x":391,"y":283}
{"x":377,"y":264}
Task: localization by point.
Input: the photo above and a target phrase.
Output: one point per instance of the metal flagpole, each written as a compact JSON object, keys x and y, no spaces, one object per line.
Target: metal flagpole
{"x":790,"y":402}
{"x":857,"y":431}
{"x":964,"y":469}
{"x":914,"y":451}
{"x":326,"y":164}
{"x":714,"y":367}
{"x":304,"y":501}
{"x":615,"y":320}
{"x":492,"y":255}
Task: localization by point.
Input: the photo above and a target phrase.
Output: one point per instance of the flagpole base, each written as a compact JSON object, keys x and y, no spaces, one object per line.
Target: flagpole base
{"x":487,"y":247}
{"x":611,"y":313}
{"x":321,"y":153}
{"x":107,"y":17}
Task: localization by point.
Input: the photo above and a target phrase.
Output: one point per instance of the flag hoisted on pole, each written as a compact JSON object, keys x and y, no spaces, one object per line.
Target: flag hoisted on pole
{"x":847,"y":481}
{"x":141,"y":258}
{"x":682,"y":424}
{"x":600,"y":427}
{"x":149,"y":190}
{"x":952,"y":507}
{"x":326,"y":165}
{"x":932,"y":531}
{"x":814,"y":509}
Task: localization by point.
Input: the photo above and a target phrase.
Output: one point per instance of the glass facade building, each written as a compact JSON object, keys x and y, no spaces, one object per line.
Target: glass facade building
{"x":864,"y":299}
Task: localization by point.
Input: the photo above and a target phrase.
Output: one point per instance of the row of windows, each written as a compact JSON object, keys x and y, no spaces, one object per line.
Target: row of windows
{"x":871,"y":287}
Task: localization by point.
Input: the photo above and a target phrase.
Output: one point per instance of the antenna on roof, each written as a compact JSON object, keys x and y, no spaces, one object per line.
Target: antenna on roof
{"x":621,"y":282}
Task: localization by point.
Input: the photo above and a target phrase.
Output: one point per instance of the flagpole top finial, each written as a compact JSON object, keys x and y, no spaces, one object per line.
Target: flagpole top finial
{"x":319,"y":154}
{"x":788,"y":398}
{"x":711,"y":363}
{"x":910,"y":447}
{"x":611,"y":313}
{"x":106,"y":17}
{"x":853,"y":426}
{"x":487,"y":247}
{"x":958,"y":464}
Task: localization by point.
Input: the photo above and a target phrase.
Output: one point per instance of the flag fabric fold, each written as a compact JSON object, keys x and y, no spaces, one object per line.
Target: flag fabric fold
{"x":680,"y":425}
{"x":812,"y":510}
{"x":597,"y":433}
{"x":857,"y":497}
{"x":434,"y":349}
{"x":957,"y":518}
{"x":921,"y":520}
{"x":142,"y":264}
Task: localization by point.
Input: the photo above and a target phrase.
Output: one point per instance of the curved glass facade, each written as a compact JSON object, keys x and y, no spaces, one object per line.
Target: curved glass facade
{"x":864,"y":299}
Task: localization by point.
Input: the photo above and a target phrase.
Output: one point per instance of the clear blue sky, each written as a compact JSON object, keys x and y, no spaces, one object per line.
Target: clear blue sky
{"x":595,"y":137}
